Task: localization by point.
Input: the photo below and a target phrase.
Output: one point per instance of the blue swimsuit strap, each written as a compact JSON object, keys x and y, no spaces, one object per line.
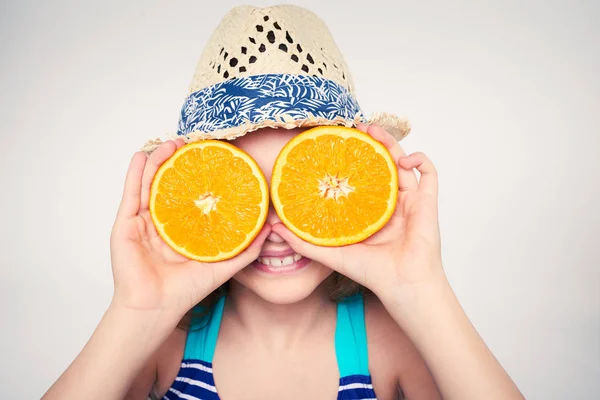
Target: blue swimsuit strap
{"x":202,"y":336}
{"x":351,"y":337}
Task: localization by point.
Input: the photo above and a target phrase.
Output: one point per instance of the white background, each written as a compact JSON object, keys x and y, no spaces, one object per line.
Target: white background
{"x":503,"y":96}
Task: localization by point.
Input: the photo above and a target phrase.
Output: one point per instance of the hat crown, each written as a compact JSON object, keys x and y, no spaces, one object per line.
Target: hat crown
{"x":290,"y":74}
{"x":283,"y":39}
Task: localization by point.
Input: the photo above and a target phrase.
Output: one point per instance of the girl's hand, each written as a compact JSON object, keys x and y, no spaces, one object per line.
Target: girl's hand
{"x":402,"y":265}
{"x":148,"y":274}
{"x":406,"y":252}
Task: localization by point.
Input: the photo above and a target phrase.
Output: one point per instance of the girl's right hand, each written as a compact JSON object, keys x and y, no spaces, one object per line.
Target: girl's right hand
{"x":148,"y":274}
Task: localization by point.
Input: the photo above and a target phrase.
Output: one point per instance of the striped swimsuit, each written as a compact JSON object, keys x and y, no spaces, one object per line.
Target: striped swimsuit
{"x":195,"y":378}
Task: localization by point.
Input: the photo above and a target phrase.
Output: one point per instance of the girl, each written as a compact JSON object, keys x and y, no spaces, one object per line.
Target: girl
{"x":374,"y":319}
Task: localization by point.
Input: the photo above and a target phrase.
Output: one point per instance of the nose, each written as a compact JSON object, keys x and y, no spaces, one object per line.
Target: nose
{"x":272,"y":219}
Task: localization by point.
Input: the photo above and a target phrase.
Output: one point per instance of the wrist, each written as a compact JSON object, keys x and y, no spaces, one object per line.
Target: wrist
{"x":412,"y":303}
{"x":153,"y":324}
{"x":128,"y":338}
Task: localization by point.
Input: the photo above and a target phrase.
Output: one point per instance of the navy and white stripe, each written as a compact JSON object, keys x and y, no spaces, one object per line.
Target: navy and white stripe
{"x":194,"y":381}
{"x":356,"y":387}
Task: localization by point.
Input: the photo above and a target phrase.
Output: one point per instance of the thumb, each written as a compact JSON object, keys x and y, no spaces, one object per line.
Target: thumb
{"x":224,"y":270}
{"x":317,"y":253}
{"x":207,"y":277}
{"x":346,"y":260}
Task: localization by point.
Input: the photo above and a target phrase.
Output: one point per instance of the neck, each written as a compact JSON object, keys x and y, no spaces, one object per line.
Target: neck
{"x":280,"y":326}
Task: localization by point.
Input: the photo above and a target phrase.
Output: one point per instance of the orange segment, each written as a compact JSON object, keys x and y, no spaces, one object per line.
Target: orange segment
{"x":334,"y":186}
{"x":209,"y":201}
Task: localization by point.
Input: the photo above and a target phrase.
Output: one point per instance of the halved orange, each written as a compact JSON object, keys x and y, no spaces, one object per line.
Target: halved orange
{"x":209,"y":200}
{"x":334,"y":186}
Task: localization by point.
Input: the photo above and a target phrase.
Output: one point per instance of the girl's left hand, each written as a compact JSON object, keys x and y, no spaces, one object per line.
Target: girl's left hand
{"x":406,"y":252}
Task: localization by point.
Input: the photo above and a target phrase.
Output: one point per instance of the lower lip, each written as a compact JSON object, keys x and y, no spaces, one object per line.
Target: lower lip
{"x":303,"y":262}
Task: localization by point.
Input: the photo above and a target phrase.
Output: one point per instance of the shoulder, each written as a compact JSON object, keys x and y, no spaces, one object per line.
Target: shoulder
{"x":394,"y":362}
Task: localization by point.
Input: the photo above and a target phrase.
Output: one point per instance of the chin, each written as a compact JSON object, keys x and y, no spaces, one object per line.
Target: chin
{"x":283,"y":284}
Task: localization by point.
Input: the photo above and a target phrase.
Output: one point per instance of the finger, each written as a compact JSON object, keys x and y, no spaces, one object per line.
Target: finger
{"x":317,"y":253}
{"x":207,"y":277}
{"x":341,"y":259}
{"x":362,"y":127}
{"x":390,"y":143}
{"x":179,"y":143}
{"x":335,"y":258}
{"x":130,"y":202}
{"x":407,"y":180}
{"x":428,"y":183}
{"x":156,"y":159}
{"x":223,"y":271}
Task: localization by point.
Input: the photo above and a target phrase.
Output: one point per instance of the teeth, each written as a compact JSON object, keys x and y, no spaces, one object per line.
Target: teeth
{"x":264,"y":260}
{"x":289,"y":260}
{"x":278,"y":261}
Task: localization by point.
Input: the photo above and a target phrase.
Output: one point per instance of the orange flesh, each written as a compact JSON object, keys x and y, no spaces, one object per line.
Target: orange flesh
{"x":334,"y":186}
{"x":209,"y":201}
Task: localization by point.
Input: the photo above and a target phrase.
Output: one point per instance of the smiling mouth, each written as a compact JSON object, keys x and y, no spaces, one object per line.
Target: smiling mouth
{"x":282,"y":264}
{"x":279,"y":261}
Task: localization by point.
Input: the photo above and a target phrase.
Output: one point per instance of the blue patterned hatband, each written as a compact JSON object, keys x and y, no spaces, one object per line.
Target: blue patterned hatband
{"x":259,"y":98}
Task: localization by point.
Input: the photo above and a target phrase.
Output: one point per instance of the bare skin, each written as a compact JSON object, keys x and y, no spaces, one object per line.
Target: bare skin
{"x":393,"y":361}
{"x":276,"y":330}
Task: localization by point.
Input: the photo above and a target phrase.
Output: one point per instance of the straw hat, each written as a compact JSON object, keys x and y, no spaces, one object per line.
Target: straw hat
{"x":273,"y":67}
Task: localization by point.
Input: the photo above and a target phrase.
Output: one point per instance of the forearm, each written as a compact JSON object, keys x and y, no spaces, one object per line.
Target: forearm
{"x":457,"y":357}
{"x":122,"y":343}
